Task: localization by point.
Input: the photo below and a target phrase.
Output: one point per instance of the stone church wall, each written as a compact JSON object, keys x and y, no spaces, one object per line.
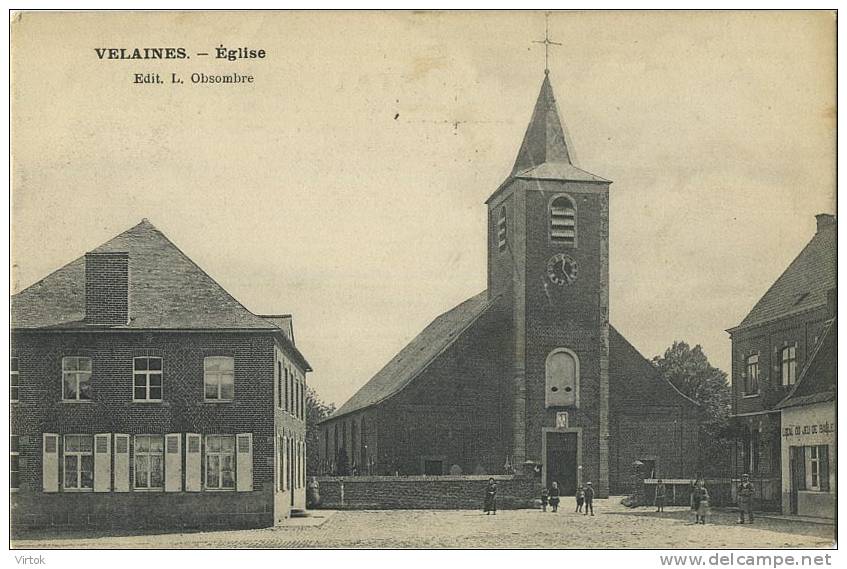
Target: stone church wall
{"x":423,"y":492}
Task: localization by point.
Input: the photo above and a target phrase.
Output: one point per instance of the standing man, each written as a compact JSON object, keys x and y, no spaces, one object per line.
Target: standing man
{"x":589,"y":498}
{"x":745,"y":499}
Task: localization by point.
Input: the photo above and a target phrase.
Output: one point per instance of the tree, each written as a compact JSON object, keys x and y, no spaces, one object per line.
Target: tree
{"x":689,"y":370}
{"x":316,"y":411}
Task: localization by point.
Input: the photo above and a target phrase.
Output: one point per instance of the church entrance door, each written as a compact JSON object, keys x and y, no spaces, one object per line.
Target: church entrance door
{"x":562,"y":462}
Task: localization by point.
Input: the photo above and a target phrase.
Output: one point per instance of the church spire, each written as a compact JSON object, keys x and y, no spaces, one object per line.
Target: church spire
{"x":546,"y":151}
{"x":544,"y":140}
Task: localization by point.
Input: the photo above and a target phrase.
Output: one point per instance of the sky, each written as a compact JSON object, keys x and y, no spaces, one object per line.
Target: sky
{"x":346,"y":184}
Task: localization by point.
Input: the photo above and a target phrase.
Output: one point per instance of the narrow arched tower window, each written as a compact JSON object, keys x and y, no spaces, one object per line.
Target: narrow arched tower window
{"x":502,"y":230}
{"x":563,"y":221}
{"x":562,"y":378}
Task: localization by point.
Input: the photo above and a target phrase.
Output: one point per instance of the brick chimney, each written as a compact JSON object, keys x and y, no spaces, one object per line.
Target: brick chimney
{"x":825,"y":220}
{"x":107,"y":289}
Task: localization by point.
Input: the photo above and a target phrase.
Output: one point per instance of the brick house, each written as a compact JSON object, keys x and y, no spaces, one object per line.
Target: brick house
{"x":809,"y":452}
{"x":528,"y":374}
{"x":144,"y":394}
{"x":770,"y":347}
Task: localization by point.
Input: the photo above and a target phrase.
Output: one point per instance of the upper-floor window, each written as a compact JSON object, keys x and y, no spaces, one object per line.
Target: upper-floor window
{"x":149,"y":462}
{"x":220,"y":462}
{"x":279,"y":387}
{"x":76,"y":378}
{"x":788,"y":358}
{"x":147,"y":382}
{"x":287,"y":388}
{"x":13,"y":379}
{"x":219,"y":378}
{"x":79,"y":462}
{"x":14,"y":463}
{"x":563,"y":221}
{"x":502,"y":230}
{"x":751,"y":375}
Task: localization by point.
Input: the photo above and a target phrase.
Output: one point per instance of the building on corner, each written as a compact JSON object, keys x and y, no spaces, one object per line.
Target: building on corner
{"x":771,"y":348}
{"x":143,"y":394}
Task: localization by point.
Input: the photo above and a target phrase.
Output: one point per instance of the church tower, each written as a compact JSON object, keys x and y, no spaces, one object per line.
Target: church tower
{"x":548,"y":258}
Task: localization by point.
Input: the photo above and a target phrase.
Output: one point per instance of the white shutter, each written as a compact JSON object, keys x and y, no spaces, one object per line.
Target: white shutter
{"x":121,"y":463}
{"x":193,"y":468}
{"x":244,"y":462}
{"x":50,"y":463}
{"x":103,"y":463}
{"x":173,"y":462}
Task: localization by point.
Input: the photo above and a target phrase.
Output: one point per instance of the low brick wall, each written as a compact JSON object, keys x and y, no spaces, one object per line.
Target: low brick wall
{"x":424,"y":492}
{"x":134,"y":510}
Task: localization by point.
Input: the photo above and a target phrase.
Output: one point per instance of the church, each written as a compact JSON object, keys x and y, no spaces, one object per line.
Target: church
{"x":528,"y":375}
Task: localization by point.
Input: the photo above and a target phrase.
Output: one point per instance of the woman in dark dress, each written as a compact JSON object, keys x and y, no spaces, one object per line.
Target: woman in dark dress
{"x":490,"y":498}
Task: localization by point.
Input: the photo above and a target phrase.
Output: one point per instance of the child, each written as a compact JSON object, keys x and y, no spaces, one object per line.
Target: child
{"x":544,"y":495}
{"x":554,"y":496}
{"x":580,"y":498}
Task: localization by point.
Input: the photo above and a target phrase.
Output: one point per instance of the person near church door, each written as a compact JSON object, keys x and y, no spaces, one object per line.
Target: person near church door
{"x":490,"y":505}
{"x":554,"y":496}
{"x":589,"y":498}
{"x":580,"y":498}
{"x":544,"y":498}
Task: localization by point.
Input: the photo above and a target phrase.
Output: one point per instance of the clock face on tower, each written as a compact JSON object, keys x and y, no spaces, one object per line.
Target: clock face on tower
{"x":561,"y":269}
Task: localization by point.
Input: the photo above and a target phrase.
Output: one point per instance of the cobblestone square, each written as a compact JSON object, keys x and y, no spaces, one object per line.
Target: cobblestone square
{"x":613,"y":526}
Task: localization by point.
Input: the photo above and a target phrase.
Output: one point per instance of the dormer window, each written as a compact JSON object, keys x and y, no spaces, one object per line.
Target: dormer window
{"x":502,"y":234}
{"x":563,"y":221}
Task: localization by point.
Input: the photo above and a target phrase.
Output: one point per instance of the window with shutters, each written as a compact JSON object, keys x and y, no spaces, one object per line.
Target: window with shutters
{"x":788,"y":359}
{"x":76,"y":378}
{"x":502,"y":230}
{"x":78,"y":463}
{"x":147,"y":379}
{"x":14,"y":462}
{"x":813,"y":467}
{"x":220,"y":462}
{"x":14,"y":375}
{"x":149,"y":471}
{"x":563,"y":220}
{"x":219,"y":378}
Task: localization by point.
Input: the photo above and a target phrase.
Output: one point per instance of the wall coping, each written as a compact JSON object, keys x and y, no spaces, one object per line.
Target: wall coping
{"x":420,"y":478}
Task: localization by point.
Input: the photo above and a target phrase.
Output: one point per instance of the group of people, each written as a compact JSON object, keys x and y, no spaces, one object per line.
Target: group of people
{"x":584,"y":498}
{"x":700,"y":499}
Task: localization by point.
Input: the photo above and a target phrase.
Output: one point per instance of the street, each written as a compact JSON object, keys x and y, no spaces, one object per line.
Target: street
{"x":613,"y":527}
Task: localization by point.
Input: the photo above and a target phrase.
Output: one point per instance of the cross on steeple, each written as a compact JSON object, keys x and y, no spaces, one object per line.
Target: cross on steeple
{"x":547,"y":43}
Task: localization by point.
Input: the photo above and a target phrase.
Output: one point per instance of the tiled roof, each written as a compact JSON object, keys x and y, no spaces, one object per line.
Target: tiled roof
{"x":166,"y":291}
{"x":803,"y":285}
{"x":418,"y":354}
{"x":816,"y":383}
